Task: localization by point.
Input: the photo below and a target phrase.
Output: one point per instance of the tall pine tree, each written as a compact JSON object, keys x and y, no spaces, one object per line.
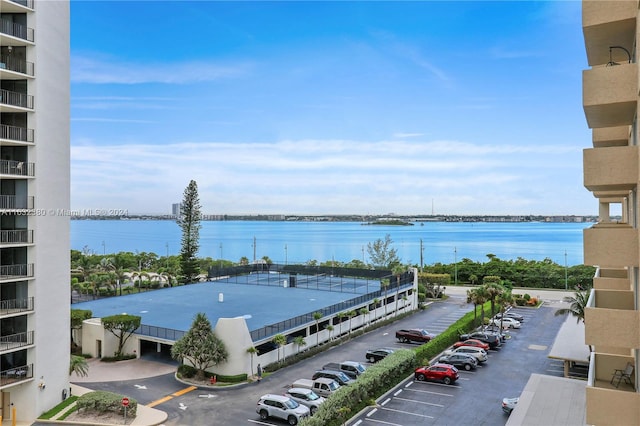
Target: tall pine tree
{"x":189,"y":222}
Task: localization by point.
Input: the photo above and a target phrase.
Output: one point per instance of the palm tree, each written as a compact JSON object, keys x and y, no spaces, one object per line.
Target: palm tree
{"x":364,"y":311}
{"x":316,"y":317}
{"x":342,"y":316}
{"x":279,"y":340}
{"x":504,"y":299}
{"x":492,"y":291}
{"x":329,"y":328}
{"x":299,"y":342}
{"x":478,"y":296}
{"x":352,"y":313}
{"x":384,"y":283}
{"x":376,"y":301}
{"x":78,"y":365}
{"x":251,"y":351}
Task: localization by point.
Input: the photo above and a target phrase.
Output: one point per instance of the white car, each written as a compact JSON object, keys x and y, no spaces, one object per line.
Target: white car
{"x":305,"y":397}
{"x":506,"y":322}
{"x":281,"y":407}
{"x":478,"y":353}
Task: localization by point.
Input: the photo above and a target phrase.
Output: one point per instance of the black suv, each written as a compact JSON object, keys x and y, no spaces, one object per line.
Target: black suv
{"x":338,"y":376}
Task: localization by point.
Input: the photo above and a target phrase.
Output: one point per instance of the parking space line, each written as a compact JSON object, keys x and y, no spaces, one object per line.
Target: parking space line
{"x":372,"y":412}
{"x":258,"y":422}
{"x":429,"y":392}
{"x":407,"y":412}
{"x":382,"y":422}
{"x":385,"y":402}
{"x":421,"y":402}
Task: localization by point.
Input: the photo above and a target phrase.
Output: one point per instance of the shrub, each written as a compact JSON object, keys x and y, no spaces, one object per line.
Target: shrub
{"x":105,"y":402}
{"x":520,"y":301}
{"x":123,"y":357}
{"x":526,"y":297}
{"x":186,"y":371}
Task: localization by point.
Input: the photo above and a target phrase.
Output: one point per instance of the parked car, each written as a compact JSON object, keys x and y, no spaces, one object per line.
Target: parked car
{"x":491,"y":339}
{"x":506,"y":322}
{"x":281,"y":407}
{"x":510,"y":314}
{"x":414,"y":335}
{"x":351,"y":368}
{"x":375,"y":355}
{"x":322,"y":386}
{"x":442,"y":372}
{"x":468,"y":362}
{"x":508,"y":404}
{"x":472,"y":342}
{"x":501,"y":333}
{"x":478,"y":353}
{"x":306,"y":397}
{"x":336,"y":375}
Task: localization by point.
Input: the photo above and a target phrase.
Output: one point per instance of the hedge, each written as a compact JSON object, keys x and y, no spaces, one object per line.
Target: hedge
{"x":104,"y":402}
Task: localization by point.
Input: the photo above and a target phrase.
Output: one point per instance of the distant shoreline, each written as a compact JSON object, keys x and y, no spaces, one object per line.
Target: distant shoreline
{"x":364,"y":219}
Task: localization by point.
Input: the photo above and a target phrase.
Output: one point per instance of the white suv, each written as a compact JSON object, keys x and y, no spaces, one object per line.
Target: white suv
{"x":281,"y":407}
{"x":305,"y":397}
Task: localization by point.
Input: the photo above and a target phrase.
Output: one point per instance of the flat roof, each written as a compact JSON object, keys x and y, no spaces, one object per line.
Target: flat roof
{"x":551,"y":401}
{"x":176,"y":307}
{"x":569,"y":344}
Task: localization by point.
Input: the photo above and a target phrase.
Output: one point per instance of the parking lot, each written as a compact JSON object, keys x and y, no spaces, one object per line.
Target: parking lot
{"x":475,"y":399}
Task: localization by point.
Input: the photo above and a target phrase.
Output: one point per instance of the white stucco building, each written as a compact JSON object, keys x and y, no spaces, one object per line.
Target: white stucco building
{"x":34,"y":206}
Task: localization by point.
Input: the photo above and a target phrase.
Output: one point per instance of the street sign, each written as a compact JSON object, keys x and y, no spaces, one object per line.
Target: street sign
{"x":125,"y":401}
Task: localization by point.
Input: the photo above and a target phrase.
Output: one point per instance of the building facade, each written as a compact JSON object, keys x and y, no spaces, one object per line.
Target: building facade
{"x":612,"y":174}
{"x":34,"y":206}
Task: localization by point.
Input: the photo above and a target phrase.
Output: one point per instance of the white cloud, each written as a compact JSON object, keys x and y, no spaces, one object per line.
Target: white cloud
{"x":314,"y":176}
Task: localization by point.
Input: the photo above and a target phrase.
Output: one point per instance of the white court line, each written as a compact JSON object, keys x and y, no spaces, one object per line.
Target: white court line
{"x":408,"y":412}
{"x":421,"y":402}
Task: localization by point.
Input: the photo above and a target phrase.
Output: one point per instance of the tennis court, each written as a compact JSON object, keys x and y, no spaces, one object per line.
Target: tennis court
{"x":324,"y":282}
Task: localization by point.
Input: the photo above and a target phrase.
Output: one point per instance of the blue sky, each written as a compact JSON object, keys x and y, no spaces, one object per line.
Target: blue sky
{"x":329,"y":107}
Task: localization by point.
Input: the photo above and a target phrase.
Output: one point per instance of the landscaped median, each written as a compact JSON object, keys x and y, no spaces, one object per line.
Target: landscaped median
{"x":384,"y":375}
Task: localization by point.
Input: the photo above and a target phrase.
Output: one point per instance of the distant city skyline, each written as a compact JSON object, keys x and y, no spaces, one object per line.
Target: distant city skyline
{"x":311,"y":108}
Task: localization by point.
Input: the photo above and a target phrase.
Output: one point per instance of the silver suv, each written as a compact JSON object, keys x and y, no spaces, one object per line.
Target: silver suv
{"x":305,"y":397}
{"x":281,"y":407}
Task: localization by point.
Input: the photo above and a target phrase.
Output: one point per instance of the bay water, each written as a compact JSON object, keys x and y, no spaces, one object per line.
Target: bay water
{"x":299,"y":242}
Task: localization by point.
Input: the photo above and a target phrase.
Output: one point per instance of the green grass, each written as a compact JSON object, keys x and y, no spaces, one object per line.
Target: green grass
{"x":58,"y":408}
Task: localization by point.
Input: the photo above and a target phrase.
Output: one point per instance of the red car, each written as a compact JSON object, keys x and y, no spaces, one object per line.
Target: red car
{"x":442,"y":372}
{"x":472,"y":342}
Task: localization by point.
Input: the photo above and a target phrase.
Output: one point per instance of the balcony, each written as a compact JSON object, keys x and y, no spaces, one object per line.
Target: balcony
{"x":16,"y":341}
{"x":16,"y":375}
{"x":610,"y":95}
{"x":607,"y":23}
{"x":15,"y":101}
{"x":612,"y":324}
{"x":610,"y":136}
{"x":612,"y":169}
{"x":16,"y":237}
{"x":15,"y":6}
{"x":16,"y":65}
{"x":15,"y":306}
{"x":611,"y":279}
{"x":611,"y":245}
{"x":17,"y":168}
{"x":19,"y":31}
{"x":603,"y":398}
{"x":16,"y":272}
{"x":15,"y":134}
{"x":16,"y":202}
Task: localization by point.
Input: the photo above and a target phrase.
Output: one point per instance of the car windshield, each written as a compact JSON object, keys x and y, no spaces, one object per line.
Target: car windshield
{"x":290,"y":403}
{"x":312,"y":396}
{"x":333,"y":386}
{"x":343,"y":377}
{"x":360,"y":368}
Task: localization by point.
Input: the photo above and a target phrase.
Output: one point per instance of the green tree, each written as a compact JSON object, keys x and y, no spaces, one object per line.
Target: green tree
{"x":316,"y":317}
{"x":252,"y":351}
{"x":77,"y":317}
{"x":492,"y":289}
{"x":279,"y":340}
{"x":78,"y":365}
{"x":189,"y":222}
{"x":477,"y":296}
{"x":382,"y":254}
{"x":122,"y":326}
{"x":578,"y":304}
{"x":329,"y":328}
{"x":200,"y":346}
{"x":364,"y":311}
{"x":299,"y":342}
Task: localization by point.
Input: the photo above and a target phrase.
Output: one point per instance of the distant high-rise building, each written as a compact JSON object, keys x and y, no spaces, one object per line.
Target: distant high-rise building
{"x":34,"y":206}
{"x":611,"y":173}
{"x":175,"y":209}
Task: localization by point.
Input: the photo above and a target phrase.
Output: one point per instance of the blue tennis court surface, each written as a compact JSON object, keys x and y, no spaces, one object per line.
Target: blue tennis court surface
{"x":261,"y":305}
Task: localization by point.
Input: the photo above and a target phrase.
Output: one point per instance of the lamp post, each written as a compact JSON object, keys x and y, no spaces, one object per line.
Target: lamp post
{"x":220,"y":255}
{"x":455,"y":260}
{"x":104,"y":248}
{"x":285,"y":254}
{"x":167,"y":246}
{"x":566,"y":274}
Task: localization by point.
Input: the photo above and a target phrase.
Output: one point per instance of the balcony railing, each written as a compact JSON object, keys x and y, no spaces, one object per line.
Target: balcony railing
{"x":16,"y":236}
{"x":14,"y":341}
{"x":12,"y":306}
{"x":17,"y":168}
{"x":16,"y":374}
{"x":8,"y":272}
{"x":16,"y":30}
{"x":17,"y":65}
{"x":16,"y":202}
{"x":16,"y":99}
{"x":14,"y":133}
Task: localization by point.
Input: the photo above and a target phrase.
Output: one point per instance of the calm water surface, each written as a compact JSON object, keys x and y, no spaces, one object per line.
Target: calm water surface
{"x":282,"y":242}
